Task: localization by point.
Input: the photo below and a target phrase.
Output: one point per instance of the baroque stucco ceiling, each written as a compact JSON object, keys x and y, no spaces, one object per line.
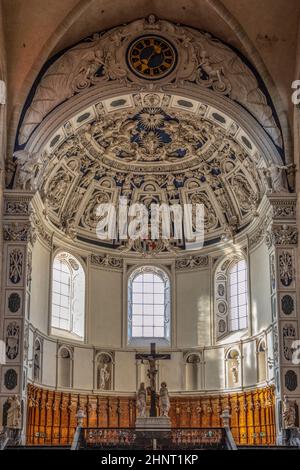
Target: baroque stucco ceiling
{"x":153,"y":151}
{"x":157,"y":142}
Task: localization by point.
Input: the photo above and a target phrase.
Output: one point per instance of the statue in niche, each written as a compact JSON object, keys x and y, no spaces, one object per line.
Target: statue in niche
{"x":235,"y":372}
{"x":289,"y":413}
{"x":104,"y":372}
{"x":141,"y":402}
{"x":164,"y":400}
{"x":14,"y":415}
{"x":104,"y":376}
{"x":276,"y":177}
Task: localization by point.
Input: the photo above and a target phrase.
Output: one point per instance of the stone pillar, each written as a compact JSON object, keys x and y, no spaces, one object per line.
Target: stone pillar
{"x":282,"y":240}
{"x":16,"y":288}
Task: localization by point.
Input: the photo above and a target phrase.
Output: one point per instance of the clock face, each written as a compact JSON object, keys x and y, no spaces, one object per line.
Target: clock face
{"x":151,"y":57}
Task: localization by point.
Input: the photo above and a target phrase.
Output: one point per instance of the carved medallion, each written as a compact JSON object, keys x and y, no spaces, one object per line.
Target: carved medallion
{"x":222,"y":308}
{"x":221,"y":290}
{"x":10,"y":379}
{"x":222,"y":326}
{"x":291,"y":380}
{"x":151,"y":57}
{"x":287,"y":304}
{"x":14,"y":302}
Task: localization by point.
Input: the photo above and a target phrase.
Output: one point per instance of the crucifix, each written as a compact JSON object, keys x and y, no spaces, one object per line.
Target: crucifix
{"x":152,"y":371}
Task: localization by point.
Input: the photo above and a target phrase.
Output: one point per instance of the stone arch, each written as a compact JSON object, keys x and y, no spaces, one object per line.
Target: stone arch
{"x":261,"y":354}
{"x":192,"y":365}
{"x":65,"y":367}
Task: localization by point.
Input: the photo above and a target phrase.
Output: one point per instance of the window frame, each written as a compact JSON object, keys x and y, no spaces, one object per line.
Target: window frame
{"x":68,"y":259}
{"x":238,"y":306}
{"x":222,"y":301}
{"x":166,"y":279}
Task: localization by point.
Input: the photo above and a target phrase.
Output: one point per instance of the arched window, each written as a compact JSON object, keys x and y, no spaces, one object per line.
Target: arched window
{"x":64,"y":369}
{"x":149,"y":304}
{"x":238,"y":296}
{"x":68,"y":296}
{"x":231,"y":293}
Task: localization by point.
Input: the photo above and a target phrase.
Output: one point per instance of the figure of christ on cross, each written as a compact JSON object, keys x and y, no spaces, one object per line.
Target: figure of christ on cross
{"x":152,"y":357}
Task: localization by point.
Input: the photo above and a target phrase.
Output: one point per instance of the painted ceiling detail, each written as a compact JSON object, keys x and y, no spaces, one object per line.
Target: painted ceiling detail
{"x":151,"y":148}
{"x":156,"y":51}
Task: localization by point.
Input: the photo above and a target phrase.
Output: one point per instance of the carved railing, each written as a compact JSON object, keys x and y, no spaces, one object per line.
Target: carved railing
{"x":165,"y":439}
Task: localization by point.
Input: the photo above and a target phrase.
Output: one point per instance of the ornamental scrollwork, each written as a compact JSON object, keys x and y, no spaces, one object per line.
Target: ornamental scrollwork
{"x":204,"y":61}
{"x":192,"y":262}
{"x":107,"y":261}
{"x":284,"y":209}
{"x":13,"y":207}
{"x":16,"y":265}
{"x":286,"y":268}
{"x":19,"y":232}
{"x":12,"y":340}
{"x":105,"y":159}
{"x":282,"y":235}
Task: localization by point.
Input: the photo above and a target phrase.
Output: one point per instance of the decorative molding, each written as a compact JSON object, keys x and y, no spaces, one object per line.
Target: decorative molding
{"x":17,"y":203}
{"x":284,"y":209}
{"x":145,"y":154}
{"x":20,"y":232}
{"x":107,"y":261}
{"x":260,"y":232}
{"x":40,"y":230}
{"x":192,"y":262}
{"x":286,"y":268}
{"x":104,"y":58}
{"x":13,"y":207}
{"x":282,"y":235}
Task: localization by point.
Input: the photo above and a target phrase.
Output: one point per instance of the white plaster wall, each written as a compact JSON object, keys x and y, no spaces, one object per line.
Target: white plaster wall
{"x":39,"y":302}
{"x":125,"y":371}
{"x":260,"y":289}
{"x":83,"y":368}
{"x":49,"y":363}
{"x":105,"y":317}
{"x":193,"y":308}
{"x":249,"y":363}
{"x":214,"y":369}
{"x":105,"y":301}
{"x":171,"y":371}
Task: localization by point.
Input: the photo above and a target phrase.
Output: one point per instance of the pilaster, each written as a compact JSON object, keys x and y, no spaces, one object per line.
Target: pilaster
{"x":18,"y":238}
{"x":282,"y":241}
